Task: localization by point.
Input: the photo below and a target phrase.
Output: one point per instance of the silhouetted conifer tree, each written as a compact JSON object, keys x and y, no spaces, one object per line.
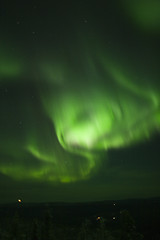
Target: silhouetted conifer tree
{"x":85,"y":233}
{"x":48,"y":231}
{"x":35,"y":231}
{"x":15,"y":228}
{"x":102,"y":232}
{"x":128,"y":228}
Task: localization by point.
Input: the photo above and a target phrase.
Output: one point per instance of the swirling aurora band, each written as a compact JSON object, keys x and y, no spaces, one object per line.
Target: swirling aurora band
{"x":88,"y":119}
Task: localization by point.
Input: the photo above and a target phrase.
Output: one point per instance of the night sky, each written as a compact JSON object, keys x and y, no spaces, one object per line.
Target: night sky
{"x":79,"y":100}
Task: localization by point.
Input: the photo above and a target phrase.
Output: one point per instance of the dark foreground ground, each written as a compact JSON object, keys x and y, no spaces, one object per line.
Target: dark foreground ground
{"x":112,"y":220}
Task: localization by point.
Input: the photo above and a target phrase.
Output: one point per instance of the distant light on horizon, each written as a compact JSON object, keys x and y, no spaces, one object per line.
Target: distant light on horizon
{"x":19,"y":200}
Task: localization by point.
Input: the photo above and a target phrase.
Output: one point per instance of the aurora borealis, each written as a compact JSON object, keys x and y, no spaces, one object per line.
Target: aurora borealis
{"x":80,"y":97}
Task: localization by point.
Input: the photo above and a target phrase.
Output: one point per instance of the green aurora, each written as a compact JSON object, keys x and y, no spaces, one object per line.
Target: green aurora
{"x":88,"y":120}
{"x":77,"y":107}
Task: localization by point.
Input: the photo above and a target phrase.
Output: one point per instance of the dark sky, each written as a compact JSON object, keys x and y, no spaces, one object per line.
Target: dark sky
{"x":79,"y":100}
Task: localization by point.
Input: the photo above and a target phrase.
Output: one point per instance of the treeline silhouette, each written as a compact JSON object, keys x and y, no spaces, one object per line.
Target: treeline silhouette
{"x":46,"y":228}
